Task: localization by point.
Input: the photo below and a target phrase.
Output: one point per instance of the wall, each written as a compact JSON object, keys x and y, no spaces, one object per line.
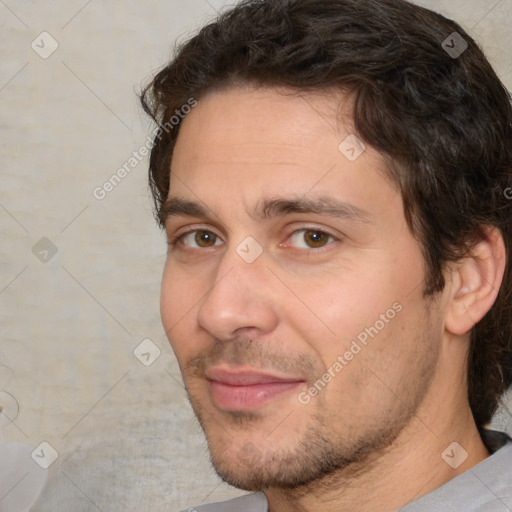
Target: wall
{"x":80,"y":271}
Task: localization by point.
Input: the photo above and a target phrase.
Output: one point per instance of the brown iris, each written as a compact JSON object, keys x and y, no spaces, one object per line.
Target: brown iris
{"x":205,"y":238}
{"x":316,"y":238}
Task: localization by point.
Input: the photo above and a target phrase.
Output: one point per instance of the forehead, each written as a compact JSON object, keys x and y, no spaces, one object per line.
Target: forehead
{"x":260,"y":143}
{"x":287,"y":123}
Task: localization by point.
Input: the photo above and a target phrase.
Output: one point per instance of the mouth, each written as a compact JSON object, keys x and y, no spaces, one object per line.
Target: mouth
{"x":246,"y":389}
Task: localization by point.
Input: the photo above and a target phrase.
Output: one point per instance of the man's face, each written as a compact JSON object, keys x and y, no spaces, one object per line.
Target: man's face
{"x":293,"y":301}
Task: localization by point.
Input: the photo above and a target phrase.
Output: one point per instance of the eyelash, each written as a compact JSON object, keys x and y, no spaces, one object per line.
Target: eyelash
{"x":173,"y":242}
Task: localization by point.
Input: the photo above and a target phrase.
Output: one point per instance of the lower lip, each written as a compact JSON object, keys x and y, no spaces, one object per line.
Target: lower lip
{"x":239,"y":398}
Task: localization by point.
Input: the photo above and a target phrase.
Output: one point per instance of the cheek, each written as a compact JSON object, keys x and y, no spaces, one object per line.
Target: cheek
{"x":385,"y":372}
{"x":179,"y":298}
{"x":180,"y":290}
{"x":169,"y":305}
{"x":344,"y":303}
{"x":364,"y":304}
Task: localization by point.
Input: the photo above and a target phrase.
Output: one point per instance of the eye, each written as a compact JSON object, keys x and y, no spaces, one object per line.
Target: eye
{"x":198,"y":239}
{"x":310,"y":238}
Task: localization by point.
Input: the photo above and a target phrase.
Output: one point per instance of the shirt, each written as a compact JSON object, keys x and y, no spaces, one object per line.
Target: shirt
{"x":486,"y":487}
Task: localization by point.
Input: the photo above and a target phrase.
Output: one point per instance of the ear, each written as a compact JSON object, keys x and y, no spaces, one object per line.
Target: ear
{"x":476,"y":280}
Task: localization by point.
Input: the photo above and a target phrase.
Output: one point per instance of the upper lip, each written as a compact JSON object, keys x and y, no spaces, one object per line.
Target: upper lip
{"x":245,"y":377}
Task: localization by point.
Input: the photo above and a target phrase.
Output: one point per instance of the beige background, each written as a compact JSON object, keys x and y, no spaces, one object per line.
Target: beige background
{"x":124,"y":433}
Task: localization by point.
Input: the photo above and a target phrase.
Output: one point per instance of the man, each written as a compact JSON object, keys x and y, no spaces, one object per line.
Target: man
{"x":332,"y":178}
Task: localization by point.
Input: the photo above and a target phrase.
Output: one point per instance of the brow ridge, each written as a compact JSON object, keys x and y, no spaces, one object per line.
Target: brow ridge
{"x":270,"y":208}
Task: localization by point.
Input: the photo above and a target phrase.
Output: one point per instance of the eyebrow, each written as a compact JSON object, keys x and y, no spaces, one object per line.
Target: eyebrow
{"x":270,"y":208}
{"x":276,"y":207}
{"x":181,"y":207}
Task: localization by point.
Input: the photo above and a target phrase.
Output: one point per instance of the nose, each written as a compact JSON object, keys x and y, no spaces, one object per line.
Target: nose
{"x":241,"y":301}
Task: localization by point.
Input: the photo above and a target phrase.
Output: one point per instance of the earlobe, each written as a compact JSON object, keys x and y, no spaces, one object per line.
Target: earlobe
{"x":476,"y":280}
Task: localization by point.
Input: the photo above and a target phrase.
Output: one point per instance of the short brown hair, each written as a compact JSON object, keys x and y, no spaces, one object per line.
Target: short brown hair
{"x":442,"y":121}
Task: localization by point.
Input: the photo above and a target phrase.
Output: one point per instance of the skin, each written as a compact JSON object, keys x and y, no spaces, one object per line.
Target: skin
{"x":372,"y":438}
